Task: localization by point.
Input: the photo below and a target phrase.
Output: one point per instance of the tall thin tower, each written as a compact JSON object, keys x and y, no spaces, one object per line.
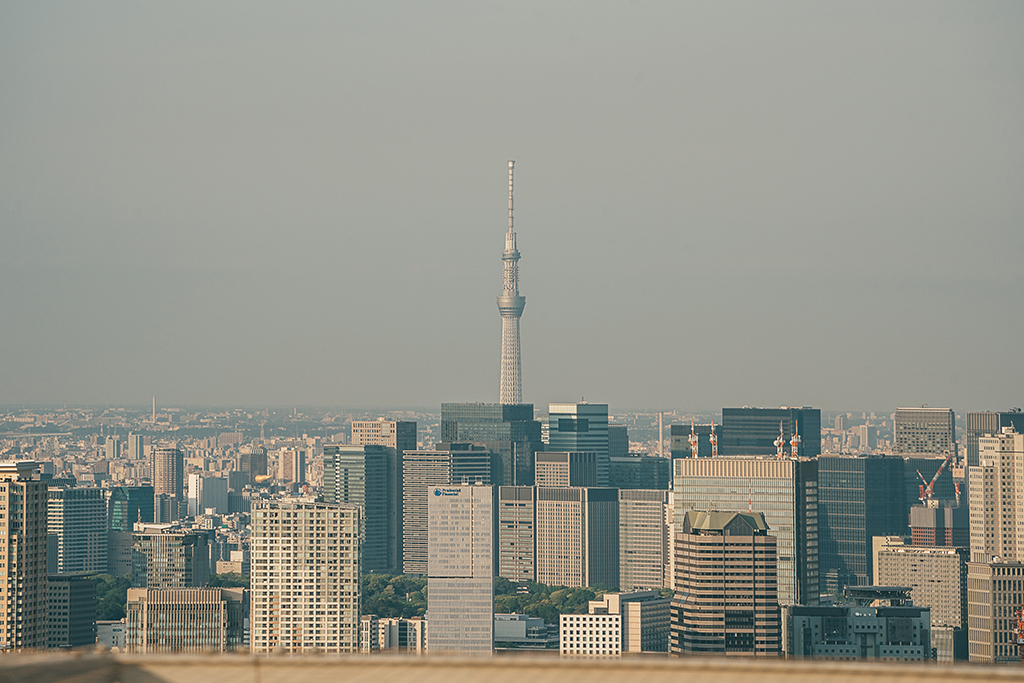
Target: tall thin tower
{"x":511,"y":306}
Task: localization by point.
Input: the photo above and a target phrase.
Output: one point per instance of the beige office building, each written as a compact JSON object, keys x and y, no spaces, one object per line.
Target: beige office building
{"x":996,"y":487}
{"x":305,"y":576}
{"x":23,"y":588}
{"x":577,"y":536}
{"x":643,"y":539}
{"x":186,"y":620}
{"x":937,"y":576}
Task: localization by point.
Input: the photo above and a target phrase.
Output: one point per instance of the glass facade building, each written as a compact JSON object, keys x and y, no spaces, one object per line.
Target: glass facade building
{"x":581,"y":427}
{"x":507,"y":430}
{"x":359,"y":475}
{"x":128,"y":505}
{"x":859,"y":498}
{"x":752,"y":431}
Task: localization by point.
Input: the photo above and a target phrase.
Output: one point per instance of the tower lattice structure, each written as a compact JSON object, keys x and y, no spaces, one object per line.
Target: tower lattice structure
{"x":510,"y":305}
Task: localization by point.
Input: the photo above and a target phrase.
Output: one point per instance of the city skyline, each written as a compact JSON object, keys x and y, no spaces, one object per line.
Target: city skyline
{"x":747,"y":205}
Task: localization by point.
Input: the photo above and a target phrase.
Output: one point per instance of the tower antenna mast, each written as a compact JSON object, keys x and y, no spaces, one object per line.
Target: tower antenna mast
{"x":510,"y":306}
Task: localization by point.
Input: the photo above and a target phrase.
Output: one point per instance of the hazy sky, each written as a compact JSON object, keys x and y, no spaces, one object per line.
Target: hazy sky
{"x":717,"y":204}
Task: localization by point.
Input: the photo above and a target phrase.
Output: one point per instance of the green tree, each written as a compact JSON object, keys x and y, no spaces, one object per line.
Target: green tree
{"x":229,"y":580}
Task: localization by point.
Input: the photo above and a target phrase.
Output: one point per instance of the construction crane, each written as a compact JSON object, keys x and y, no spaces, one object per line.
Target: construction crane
{"x":1018,"y":632}
{"x":928,"y":488}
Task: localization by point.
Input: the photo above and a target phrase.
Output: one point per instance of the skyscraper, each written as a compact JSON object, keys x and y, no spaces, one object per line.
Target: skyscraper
{"x":997,"y":498}
{"x":980,"y":424}
{"x":577,"y":536}
{"x":78,"y":519}
{"x":643,"y":539}
{"x":924,"y":430}
{"x":23,"y":554}
{"x":358,"y":475}
{"x":580,"y":427}
{"x":507,"y":430}
{"x":510,"y":305}
{"x":166,"y":556}
{"x":517,"y":537}
{"x":460,"y":570}
{"x":305,"y":576}
{"x":752,"y":431}
{"x":168,"y":467}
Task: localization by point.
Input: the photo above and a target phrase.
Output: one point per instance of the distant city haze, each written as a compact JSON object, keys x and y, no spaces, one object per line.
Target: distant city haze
{"x":806,"y":204}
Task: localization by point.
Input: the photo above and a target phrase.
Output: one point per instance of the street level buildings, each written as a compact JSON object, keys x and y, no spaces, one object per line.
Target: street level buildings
{"x":305,"y":576}
{"x":901,"y":633}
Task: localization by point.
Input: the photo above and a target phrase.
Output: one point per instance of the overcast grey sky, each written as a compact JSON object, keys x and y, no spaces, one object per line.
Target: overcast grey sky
{"x":717,"y":204}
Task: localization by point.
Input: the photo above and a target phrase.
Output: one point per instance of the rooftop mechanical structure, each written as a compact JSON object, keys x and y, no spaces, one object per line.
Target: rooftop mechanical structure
{"x":510,"y":305}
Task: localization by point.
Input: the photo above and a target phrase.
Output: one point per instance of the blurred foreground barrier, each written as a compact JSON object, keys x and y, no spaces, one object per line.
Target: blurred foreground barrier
{"x":93,"y":668}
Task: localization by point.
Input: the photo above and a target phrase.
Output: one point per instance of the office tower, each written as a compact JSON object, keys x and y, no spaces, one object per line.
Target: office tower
{"x":422,"y":470}
{"x":726,"y":600}
{"x":901,"y":632}
{"x":988,"y":423}
{"x":291,"y":466}
{"x":165,"y":556}
{"x":359,"y":475}
{"x":400,"y":436}
{"x":517,"y":538}
{"x":205,"y":493}
{"x":507,"y":430}
{"x":577,"y":537}
{"x":71,"y":611}
{"x":995,"y":591}
{"x":924,"y":430}
{"x":23,"y":556}
{"x":940,"y":525}
{"x":566,"y":469}
{"x":252,"y":460}
{"x":680,"y":446}
{"x":136,"y":446}
{"x":305,"y":576}
{"x":112,"y":449}
{"x":127,"y":505}
{"x":937,"y":577}
{"x":581,"y":427}
{"x":786,"y":491}
{"x":181,"y":620}
{"x":752,"y":431}
{"x":619,"y":622}
{"x":639,"y":472}
{"x":618,"y":441}
{"x":78,"y":519}
{"x":460,"y":570}
{"x":997,"y":498}
{"x":858,"y":498}
{"x":510,"y":306}
{"x":643,"y":539}
{"x":167,"y":466}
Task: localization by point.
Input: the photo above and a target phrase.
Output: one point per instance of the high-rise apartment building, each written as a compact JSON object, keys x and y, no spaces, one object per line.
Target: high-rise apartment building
{"x":566,"y":469}
{"x":78,"y":519}
{"x":643,"y":539}
{"x":291,"y":465}
{"x":112,"y":449}
{"x":136,"y":446}
{"x":401,"y":436}
{"x":166,"y":556}
{"x":359,"y":475}
{"x":753,"y":431}
{"x":71,"y":613}
{"x":924,"y":430}
{"x":994,"y":592}
{"x":580,"y":427}
{"x":167,"y":465}
{"x":726,"y":600}
{"x":509,"y":430}
{"x":23,"y":556}
{"x":460,"y":570}
{"x":996,"y":488}
{"x":858,"y":498}
{"x":305,"y":576}
{"x":186,"y":620}
{"x":785,"y":490}
{"x":510,"y":306}
{"x":989,"y":423}
{"x":577,"y":535}
{"x":422,"y":471}
{"x":517,"y":533}
{"x":207,"y":492}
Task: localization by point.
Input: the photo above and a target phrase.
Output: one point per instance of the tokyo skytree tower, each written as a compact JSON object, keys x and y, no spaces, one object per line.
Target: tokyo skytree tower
{"x":511,"y":306}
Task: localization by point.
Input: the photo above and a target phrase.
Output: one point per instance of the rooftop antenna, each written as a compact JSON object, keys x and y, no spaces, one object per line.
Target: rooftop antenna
{"x":794,"y":443}
{"x":714,"y":441}
{"x":780,"y":443}
{"x":694,"y":445}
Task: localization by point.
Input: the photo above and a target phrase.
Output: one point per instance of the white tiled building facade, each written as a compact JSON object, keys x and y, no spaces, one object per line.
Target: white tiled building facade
{"x":591,"y":634}
{"x":305,"y":577}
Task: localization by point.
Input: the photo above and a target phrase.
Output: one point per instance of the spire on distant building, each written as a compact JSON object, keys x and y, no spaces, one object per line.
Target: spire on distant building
{"x":510,"y":305}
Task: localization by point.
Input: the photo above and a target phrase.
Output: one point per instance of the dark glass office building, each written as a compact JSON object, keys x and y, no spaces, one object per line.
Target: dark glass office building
{"x":858,"y":498}
{"x":127,"y":505}
{"x":360,"y":475}
{"x":680,"y":443}
{"x":639,"y":472}
{"x":509,"y":431}
{"x":752,"y":431}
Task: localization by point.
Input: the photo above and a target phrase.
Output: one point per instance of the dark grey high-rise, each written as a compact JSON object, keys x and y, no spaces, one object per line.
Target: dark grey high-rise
{"x":980,"y":424}
{"x":753,"y":431}
{"x":358,"y":475}
{"x":858,"y":498}
{"x":507,"y":430}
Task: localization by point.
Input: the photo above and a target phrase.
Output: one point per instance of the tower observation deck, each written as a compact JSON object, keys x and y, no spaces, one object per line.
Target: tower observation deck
{"x":510,"y":305}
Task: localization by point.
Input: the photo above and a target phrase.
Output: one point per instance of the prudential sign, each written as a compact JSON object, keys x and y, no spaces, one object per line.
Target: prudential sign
{"x":447,"y":492}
